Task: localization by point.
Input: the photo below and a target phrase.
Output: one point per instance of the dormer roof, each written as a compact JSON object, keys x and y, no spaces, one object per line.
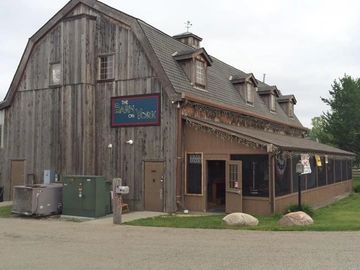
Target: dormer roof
{"x":241,"y":78}
{"x":287,"y":98}
{"x":269,"y":89}
{"x":188,"y":54}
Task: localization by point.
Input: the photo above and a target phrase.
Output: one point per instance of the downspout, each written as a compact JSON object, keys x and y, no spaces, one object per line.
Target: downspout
{"x":179,"y":159}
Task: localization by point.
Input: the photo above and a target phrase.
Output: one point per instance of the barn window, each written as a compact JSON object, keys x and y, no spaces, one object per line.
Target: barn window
{"x":194,"y":174}
{"x":200,"y":76}
{"x":106,"y":67}
{"x":55,"y":74}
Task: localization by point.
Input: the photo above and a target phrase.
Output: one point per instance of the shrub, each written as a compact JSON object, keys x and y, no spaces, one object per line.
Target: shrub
{"x":304,"y":207}
{"x":357,"y":188}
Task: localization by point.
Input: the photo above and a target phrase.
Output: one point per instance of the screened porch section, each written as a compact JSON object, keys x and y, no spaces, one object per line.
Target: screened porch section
{"x":332,"y":170}
{"x":255,"y":174}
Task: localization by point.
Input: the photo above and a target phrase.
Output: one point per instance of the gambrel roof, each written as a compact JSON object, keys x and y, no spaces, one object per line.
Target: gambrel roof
{"x":160,"y":49}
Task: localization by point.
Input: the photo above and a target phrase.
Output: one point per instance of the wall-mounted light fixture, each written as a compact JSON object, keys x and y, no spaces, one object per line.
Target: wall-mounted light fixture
{"x":110,"y":146}
{"x":130,"y":142}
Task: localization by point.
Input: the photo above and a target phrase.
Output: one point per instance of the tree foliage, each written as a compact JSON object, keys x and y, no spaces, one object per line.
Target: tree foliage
{"x":317,"y":132}
{"x":341,"y":125}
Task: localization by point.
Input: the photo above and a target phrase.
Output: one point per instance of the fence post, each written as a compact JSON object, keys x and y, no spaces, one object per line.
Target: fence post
{"x":117,"y":202}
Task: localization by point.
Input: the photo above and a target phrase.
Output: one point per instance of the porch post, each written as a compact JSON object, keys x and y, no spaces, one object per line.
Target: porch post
{"x":272,"y":182}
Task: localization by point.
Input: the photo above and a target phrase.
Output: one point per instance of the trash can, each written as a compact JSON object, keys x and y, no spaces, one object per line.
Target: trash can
{"x":1,"y":194}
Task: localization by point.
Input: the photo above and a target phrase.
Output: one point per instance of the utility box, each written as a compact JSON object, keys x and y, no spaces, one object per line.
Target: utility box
{"x":86,"y":196}
{"x":37,"y":200}
{"x":49,"y":177}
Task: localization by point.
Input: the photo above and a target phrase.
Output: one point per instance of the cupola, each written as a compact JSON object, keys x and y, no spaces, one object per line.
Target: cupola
{"x":189,"y":39}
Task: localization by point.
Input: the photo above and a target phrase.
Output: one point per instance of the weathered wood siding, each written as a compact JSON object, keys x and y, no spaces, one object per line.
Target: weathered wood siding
{"x":2,"y":162}
{"x":67,"y":128}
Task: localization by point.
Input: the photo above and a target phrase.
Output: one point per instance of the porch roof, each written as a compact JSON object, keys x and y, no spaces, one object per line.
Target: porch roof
{"x":283,"y":142}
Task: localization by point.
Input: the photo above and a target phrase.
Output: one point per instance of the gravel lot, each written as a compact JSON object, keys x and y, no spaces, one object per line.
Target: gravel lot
{"x":54,"y":244}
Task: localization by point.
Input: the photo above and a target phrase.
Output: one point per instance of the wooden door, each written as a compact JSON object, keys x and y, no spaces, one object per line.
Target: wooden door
{"x":17,"y":174}
{"x":233,"y":187}
{"x":154,"y":186}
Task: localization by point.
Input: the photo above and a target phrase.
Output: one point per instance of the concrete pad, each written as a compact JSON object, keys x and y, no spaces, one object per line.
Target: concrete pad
{"x":127,"y":217}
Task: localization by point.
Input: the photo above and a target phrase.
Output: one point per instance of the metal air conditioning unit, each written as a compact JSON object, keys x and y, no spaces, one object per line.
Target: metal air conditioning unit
{"x":38,"y":200}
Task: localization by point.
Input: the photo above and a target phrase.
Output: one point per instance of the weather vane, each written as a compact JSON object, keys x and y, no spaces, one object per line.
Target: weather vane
{"x":188,"y":24}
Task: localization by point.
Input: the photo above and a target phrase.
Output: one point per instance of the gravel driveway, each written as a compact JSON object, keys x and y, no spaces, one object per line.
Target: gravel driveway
{"x":53,"y":244}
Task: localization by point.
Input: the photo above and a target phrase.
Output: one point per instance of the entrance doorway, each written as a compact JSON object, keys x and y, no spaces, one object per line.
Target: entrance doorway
{"x":154,"y":186}
{"x":216,"y":175}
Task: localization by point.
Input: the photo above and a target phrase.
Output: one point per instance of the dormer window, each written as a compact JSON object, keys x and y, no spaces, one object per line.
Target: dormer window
{"x":200,"y":76}
{"x":195,"y":64}
{"x":272,"y":103}
{"x":247,"y":86}
{"x":269,"y":94}
{"x":249,"y":94}
{"x":291,"y":110}
{"x":287,"y":103}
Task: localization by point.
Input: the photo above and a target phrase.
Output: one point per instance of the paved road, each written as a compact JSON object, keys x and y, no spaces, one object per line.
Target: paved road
{"x":52,"y":244}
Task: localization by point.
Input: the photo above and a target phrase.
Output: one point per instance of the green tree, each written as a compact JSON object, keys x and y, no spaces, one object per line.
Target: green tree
{"x":341,"y":125}
{"x":318,"y":133}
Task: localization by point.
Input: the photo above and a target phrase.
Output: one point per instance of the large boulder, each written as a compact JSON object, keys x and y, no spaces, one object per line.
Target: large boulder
{"x":296,"y":218}
{"x":240,"y":219}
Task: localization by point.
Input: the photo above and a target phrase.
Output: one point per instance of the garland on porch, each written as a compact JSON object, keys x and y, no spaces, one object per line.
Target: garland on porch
{"x":224,"y":136}
{"x":279,"y":154}
{"x":237,"y":119}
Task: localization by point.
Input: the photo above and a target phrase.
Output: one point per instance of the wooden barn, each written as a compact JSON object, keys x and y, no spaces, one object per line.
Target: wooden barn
{"x":99,"y":92}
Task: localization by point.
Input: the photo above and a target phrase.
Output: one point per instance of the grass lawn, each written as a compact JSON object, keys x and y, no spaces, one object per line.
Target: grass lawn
{"x":5,"y":211}
{"x":343,"y":215}
{"x":356,"y":181}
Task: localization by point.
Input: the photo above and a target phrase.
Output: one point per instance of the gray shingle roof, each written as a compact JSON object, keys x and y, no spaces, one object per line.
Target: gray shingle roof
{"x":220,"y":89}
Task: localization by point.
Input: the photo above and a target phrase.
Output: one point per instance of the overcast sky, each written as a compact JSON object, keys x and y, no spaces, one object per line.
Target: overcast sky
{"x":301,"y":46}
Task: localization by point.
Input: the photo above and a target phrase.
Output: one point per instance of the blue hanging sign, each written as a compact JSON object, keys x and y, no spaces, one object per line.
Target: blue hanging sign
{"x":140,"y":110}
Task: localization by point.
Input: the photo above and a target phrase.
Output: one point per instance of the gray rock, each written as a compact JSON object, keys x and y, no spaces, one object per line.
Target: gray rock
{"x":296,"y":218}
{"x":240,"y":219}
